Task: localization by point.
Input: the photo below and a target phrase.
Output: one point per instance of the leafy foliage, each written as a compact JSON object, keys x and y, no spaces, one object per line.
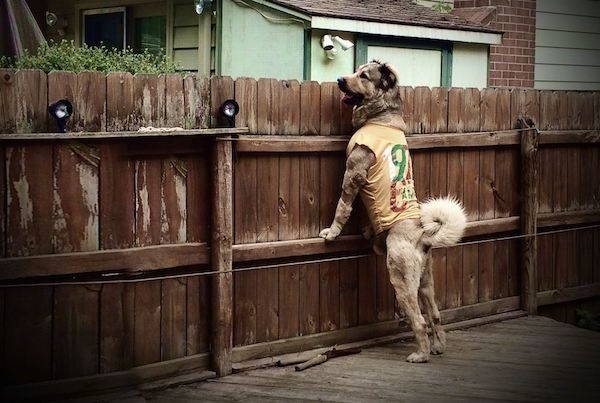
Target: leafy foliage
{"x":66,"y":56}
{"x":442,"y":7}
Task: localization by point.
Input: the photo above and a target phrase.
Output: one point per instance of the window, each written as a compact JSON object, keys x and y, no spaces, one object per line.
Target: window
{"x":422,"y":62}
{"x":140,"y":27}
{"x":150,"y":34}
{"x":105,"y":26}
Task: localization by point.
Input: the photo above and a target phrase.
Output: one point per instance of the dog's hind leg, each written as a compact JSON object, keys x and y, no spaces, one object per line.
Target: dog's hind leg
{"x":404,"y":268}
{"x":427,"y":298}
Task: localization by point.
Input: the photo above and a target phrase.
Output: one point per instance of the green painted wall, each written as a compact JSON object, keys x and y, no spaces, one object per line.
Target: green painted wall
{"x":323,"y":69}
{"x":469,"y":65}
{"x":253,"y":45}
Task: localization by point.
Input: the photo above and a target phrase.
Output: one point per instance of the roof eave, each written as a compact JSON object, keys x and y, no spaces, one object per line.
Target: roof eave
{"x":405,"y":30}
{"x":295,"y":12}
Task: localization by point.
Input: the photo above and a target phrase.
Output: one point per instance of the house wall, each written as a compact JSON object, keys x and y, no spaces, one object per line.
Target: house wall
{"x":323,"y":69}
{"x":567,"y":45}
{"x":191,"y":38}
{"x":469,"y":65}
{"x":512,"y":62}
{"x":418,"y":66}
{"x":260,"y":42}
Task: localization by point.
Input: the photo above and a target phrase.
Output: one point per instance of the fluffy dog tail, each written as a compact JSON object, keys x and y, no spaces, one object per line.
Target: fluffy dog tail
{"x":443,"y":220}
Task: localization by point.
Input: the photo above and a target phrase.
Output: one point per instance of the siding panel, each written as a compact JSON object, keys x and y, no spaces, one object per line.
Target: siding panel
{"x":567,"y":45}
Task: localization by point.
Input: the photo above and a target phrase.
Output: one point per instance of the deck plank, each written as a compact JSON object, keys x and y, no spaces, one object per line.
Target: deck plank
{"x":532,"y":359}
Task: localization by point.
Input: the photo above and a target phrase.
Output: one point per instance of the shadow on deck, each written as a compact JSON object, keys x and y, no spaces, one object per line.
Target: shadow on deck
{"x":523,"y":359}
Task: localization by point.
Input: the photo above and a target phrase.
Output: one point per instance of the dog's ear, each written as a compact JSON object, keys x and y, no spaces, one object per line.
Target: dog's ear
{"x":389,"y":77}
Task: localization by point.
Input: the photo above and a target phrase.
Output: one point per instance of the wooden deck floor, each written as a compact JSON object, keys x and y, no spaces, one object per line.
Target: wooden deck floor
{"x":532,"y":359}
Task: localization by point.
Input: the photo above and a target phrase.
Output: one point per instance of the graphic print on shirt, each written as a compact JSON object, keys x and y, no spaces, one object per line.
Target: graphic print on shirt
{"x":400,"y":170}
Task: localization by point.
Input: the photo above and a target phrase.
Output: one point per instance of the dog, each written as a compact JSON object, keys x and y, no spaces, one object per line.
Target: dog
{"x":379,"y":168}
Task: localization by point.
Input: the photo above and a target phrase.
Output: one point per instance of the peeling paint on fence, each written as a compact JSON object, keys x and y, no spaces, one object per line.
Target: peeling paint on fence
{"x":23,"y":199}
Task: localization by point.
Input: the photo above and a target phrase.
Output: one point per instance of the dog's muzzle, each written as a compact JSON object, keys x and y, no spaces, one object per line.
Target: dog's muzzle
{"x":350,"y":97}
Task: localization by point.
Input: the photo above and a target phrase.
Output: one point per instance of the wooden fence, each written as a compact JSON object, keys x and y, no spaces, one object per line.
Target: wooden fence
{"x":108,"y":237}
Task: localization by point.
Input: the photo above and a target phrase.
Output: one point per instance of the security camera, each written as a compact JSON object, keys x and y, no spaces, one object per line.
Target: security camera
{"x":326,"y":42}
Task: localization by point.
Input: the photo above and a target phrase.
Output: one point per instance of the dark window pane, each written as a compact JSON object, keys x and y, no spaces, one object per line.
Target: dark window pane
{"x":107,"y":29}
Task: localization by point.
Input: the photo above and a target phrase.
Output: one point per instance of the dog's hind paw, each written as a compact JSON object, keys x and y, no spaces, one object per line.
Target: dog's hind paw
{"x":437,"y":349}
{"x":418,"y":357}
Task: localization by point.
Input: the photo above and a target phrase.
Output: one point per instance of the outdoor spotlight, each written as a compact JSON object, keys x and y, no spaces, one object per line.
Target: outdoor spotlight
{"x":326,"y":42}
{"x":344,"y":43}
{"x":200,"y":5}
{"x":51,"y":19}
{"x":229,"y":109}
{"x":61,"y":111}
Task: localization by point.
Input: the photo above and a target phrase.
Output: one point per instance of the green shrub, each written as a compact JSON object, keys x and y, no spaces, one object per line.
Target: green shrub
{"x":66,"y":56}
{"x":442,"y":7}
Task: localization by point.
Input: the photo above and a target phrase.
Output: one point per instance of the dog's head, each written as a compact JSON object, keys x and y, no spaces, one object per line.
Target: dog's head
{"x":370,"y":82}
{"x":373,"y":89}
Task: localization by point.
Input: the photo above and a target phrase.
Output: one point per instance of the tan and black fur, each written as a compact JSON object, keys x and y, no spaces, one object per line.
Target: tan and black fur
{"x":375,"y":93}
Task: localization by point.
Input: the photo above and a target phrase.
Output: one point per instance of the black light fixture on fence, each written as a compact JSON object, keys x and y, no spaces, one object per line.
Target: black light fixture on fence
{"x":61,"y":110}
{"x":229,"y":109}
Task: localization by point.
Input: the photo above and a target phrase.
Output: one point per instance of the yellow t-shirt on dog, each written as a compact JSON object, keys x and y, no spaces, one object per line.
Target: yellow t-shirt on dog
{"x":389,"y":194}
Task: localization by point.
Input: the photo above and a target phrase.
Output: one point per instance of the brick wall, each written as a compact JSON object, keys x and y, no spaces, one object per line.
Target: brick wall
{"x":511,"y":63}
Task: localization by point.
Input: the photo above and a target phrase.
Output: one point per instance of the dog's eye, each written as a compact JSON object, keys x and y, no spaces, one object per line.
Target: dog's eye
{"x":364,"y":76}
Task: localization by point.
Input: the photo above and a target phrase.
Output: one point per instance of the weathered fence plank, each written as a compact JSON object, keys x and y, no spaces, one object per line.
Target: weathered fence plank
{"x":367,"y":290}
{"x":348,"y":293}
{"x":174,"y":101}
{"x":289,"y":301}
{"x":148,"y":195}
{"x":28,"y":344}
{"x":75,"y":331}
{"x":198,"y":223}
{"x":549,"y":110}
{"x":327,"y":124}
{"x":117,"y":318}
{"x":196,"y":98}
{"x":8,"y":108}
{"x":309,"y":300}
{"x":222,"y":303}
{"x":119,"y":102}
{"x":29,"y":205}
{"x":422,"y":110}
{"x":267,"y":200}
{"x":310,"y":108}
{"x":89,"y":106}
{"x":529,"y":169}
{"x":329,"y":296}
{"x":489,"y":117}
{"x":386,"y":298}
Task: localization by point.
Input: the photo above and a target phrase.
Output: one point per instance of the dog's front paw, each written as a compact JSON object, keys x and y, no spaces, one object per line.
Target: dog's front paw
{"x":329,"y":234}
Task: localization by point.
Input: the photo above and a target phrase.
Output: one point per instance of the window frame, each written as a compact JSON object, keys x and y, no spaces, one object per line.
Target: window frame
{"x":364,"y":41}
{"x":105,"y":10}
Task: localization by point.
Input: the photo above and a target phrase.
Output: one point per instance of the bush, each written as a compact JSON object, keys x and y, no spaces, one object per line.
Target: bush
{"x":66,"y":56}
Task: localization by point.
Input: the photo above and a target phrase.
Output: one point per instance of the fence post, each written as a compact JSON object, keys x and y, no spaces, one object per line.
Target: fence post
{"x":221,"y":258}
{"x":529,"y":210}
